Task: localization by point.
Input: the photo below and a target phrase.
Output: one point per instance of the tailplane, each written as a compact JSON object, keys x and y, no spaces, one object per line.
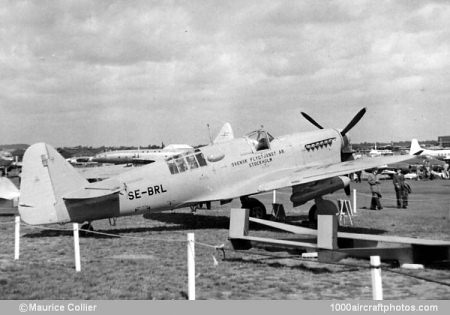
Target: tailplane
{"x":415,"y":148}
{"x":46,"y":178}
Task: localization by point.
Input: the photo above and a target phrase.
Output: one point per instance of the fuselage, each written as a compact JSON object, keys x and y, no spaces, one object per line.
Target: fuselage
{"x":376,"y":152}
{"x":221,"y":171}
{"x":438,"y":154}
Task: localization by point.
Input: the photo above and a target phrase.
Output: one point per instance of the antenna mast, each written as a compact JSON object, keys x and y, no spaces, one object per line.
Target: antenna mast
{"x":209,"y":134}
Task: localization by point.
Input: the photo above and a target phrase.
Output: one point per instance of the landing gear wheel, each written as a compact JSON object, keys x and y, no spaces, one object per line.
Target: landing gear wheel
{"x":312,"y":215}
{"x":257,"y":209}
{"x":326,"y":207}
{"x":258,"y":212}
{"x":87,"y":227}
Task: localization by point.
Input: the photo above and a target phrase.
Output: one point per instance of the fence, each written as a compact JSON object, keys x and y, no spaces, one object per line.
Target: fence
{"x":375,"y":266}
{"x":190,"y":241}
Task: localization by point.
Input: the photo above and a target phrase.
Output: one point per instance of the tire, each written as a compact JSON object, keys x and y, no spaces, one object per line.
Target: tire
{"x":87,"y":229}
{"x":257,"y":208}
{"x":312,"y":214}
{"x":258,"y":212}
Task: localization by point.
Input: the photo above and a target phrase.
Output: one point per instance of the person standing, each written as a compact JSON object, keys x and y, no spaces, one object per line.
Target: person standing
{"x":402,"y":189}
{"x":374,"y":184}
{"x":358,"y":176}
{"x":398,"y":180}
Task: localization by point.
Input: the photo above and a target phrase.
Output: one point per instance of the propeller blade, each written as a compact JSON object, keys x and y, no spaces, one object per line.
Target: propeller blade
{"x":354,"y":121}
{"x":312,"y":121}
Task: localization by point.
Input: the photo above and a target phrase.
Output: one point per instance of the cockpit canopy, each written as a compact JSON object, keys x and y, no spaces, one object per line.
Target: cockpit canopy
{"x":260,"y":139}
{"x":186,"y":161}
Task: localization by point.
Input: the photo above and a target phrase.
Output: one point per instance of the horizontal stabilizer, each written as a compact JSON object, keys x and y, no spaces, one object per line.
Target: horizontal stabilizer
{"x":95,"y":190}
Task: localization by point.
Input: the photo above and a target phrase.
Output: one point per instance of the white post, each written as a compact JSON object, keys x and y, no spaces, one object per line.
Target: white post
{"x":354,"y":201}
{"x":274,"y":197}
{"x":377,"y":288}
{"x":191,"y":265}
{"x":76,"y":242}
{"x":17,"y":238}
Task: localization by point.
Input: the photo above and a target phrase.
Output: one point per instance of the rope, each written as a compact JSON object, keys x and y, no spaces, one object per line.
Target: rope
{"x":270,"y":256}
{"x":409,"y":200}
{"x":122,"y":236}
{"x":221,"y":246}
{"x":133,"y":237}
{"x":418,"y":277}
{"x":44,"y":227}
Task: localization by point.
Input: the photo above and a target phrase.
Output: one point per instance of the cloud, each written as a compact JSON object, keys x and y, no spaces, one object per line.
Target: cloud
{"x":117,"y":72}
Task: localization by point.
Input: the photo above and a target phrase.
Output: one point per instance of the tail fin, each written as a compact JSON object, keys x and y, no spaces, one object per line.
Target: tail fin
{"x":225,"y":134}
{"x":415,"y":147}
{"x":46,"y":177}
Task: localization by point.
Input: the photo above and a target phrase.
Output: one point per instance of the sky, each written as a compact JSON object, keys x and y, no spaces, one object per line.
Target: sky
{"x":144,"y":72}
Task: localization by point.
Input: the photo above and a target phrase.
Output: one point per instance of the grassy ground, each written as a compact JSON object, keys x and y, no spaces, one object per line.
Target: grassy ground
{"x":148,"y":260}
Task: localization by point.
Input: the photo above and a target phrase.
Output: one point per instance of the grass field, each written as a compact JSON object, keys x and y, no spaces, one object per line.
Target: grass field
{"x":148,"y":259}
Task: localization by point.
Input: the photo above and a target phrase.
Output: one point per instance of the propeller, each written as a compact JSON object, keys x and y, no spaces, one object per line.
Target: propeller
{"x":352,"y":123}
{"x":312,"y":121}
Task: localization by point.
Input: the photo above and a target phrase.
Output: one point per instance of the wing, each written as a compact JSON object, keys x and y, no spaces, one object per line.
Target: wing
{"x":322,"y":171}
{"x":7,"y":189}
{"x":296,"y":176}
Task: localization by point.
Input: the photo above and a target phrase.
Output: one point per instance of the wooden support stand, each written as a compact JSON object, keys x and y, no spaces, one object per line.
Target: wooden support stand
{"x":332,"y":245}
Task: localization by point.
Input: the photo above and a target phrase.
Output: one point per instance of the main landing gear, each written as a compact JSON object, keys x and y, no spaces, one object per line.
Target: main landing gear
{"x":86,"y":229}
{"x":323,"y":206}
{"x":256,"y":207}
{"x":200,"y":205}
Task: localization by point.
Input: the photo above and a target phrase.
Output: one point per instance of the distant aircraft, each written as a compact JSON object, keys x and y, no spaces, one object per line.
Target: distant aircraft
{"x":416,"y":149}
{"x":149,"y":156}
{"x":140,"y":156}
{"x":7,"y":189}
{"x":6,"y":161}
{"x":9,"y":196}
{"x":98,"y":173}
{"x":380,"y":152}
{"x":312,"y":163}
{"x":80,"y":160}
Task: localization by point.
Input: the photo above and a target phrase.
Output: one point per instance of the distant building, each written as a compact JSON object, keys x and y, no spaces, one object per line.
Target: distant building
{"x":444,"y":141}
